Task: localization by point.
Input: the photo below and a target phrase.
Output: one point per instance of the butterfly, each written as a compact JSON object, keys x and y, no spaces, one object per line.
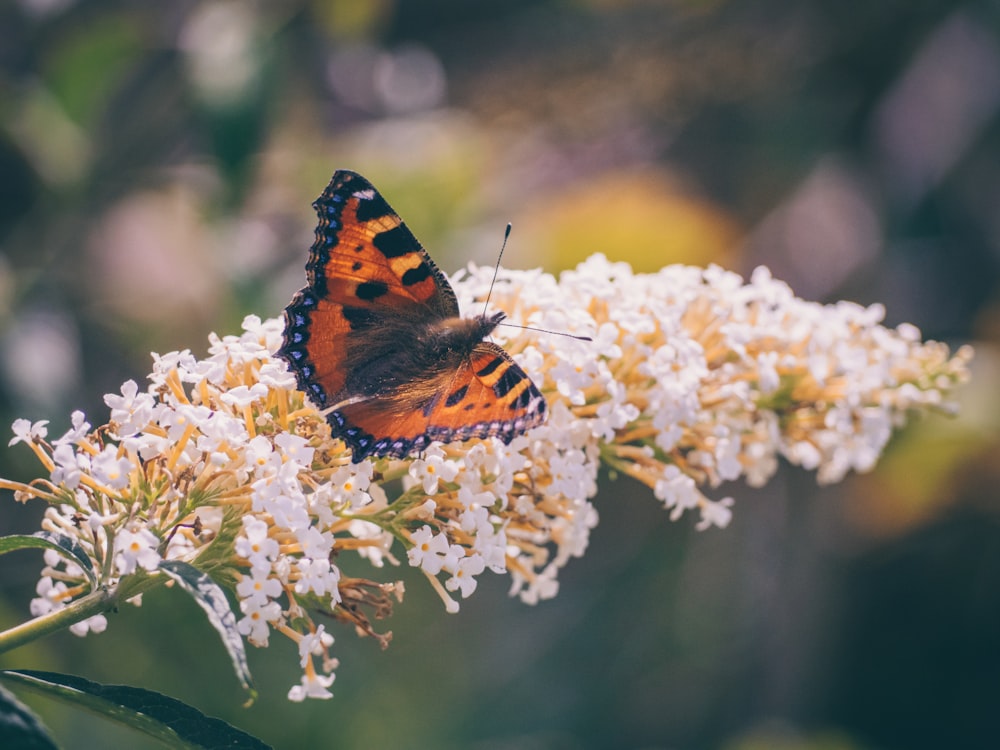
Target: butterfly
{"x":376,"y":341}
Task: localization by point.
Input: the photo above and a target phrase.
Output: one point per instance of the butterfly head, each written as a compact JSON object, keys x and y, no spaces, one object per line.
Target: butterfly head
{"x":460,"y":335}
{"x":488,"y":322}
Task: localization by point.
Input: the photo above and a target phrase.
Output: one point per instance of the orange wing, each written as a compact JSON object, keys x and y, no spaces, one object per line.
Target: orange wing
{"x":366,"y":271}
{"x":489,"y":395}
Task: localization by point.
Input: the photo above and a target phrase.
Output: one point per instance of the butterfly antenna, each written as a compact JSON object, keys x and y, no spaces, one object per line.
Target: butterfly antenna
{"x":496,"y":270}
{"x":544,"y":330}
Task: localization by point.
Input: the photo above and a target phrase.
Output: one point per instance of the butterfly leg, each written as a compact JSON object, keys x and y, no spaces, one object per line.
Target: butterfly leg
{"x":341,"y":404}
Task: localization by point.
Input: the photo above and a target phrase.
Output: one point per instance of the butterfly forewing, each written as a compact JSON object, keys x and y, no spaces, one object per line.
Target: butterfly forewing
{"x":365,"y":255}
{"x":365,"y":270}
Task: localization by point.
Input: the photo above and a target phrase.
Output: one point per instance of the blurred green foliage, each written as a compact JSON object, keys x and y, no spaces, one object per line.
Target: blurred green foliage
{"x":158,"y":161}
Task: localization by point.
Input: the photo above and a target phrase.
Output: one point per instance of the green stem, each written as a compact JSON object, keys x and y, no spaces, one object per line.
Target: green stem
{"x":101,"y":600}
{"x":94,"y":603}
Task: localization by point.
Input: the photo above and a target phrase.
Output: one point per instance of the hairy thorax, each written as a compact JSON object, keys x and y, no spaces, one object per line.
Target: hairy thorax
{"x":433,"y":347}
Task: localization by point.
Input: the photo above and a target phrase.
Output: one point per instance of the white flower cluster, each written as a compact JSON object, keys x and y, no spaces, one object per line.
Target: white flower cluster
{"x":695,"y":377}
{"x":692,"y":378}
{"x":157,"y":483}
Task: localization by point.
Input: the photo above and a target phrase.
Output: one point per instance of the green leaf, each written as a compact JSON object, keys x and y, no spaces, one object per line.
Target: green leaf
{"x":64,"y":545}
{"x":169,"y":720}
{"x":212,"y":599}
{"x":19,"y":727}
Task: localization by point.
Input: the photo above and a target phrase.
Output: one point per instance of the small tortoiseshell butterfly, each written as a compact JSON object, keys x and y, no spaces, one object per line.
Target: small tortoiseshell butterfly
{"x":376,"y":341}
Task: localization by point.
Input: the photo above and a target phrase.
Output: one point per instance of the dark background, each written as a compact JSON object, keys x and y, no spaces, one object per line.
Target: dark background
{"x":157,"y":162}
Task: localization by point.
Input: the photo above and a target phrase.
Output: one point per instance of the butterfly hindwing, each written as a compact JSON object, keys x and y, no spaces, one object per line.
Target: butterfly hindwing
{"x":488,"y":395}
{"x":376,"y":341}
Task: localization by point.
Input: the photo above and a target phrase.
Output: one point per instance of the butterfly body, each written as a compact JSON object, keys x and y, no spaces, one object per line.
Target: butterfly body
{"x":376,"y":340}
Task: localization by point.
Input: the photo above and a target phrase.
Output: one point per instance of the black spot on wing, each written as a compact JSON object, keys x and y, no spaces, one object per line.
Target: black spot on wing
{"x":456,"y":396}
{"x":523,"y":399}
{"x":395,"y":242}
{"x":416,"y":275}
{"x":491,"y":367}
{"x":508,"y":381}
{"x":373,"y":208}
{"x":370,"y":290}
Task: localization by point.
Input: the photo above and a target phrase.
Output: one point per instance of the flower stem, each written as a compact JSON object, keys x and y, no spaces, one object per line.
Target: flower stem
{"x":101,"y":600}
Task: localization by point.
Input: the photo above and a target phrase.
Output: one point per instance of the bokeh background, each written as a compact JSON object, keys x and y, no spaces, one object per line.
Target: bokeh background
{"x":157,"y":165}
